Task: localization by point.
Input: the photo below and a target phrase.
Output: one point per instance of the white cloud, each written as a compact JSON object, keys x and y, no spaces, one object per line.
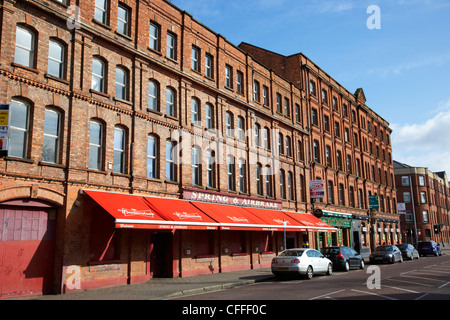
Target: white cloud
{"x":425,"y":144}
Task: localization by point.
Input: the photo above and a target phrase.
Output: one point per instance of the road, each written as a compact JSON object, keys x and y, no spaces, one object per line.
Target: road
{"x":425,"y":279}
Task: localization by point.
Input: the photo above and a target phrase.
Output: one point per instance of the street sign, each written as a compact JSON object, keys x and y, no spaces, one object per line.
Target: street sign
{"x":373,"y":202}
{"x":317,"y":189}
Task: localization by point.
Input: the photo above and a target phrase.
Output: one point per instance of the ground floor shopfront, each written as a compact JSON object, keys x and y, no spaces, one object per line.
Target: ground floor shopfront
{"x":91,"y":239}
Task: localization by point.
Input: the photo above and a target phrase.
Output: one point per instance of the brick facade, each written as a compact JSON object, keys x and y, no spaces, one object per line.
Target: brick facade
{"x":60,"y":183}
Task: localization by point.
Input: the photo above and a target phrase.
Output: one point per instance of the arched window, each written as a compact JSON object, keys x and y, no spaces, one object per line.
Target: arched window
{"x":210,"y":169}
{"x":171,"y":174}
{"x":242,"y":176}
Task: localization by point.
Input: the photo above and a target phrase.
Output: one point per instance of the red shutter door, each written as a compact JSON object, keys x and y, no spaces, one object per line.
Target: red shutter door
{"x":27,"y":242}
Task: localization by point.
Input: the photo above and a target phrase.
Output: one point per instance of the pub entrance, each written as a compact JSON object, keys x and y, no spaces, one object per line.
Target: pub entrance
{"x":161,"y":252}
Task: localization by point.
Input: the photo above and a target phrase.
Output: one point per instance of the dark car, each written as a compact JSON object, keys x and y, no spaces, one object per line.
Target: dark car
{"x":429,"y":247}
{"x":386,"y":253}
{"x":343,"y":257}
{"x":408,"y":251}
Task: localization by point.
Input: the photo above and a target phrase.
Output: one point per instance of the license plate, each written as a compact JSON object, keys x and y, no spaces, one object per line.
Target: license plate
{"x":283,"y":269}
{"x":379,"y":258}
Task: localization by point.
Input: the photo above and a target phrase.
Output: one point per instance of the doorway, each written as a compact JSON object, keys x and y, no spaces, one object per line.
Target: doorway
{"x":161,"y":251}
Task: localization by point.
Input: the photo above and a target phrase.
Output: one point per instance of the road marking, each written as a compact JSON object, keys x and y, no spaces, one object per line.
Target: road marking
{"x":408,"y":271}
{"x":444,"y":285}
{"x":374,"y":294}
{"x":422,"y":278}
{"x":424,"y":295}
{"x":418,"y":283}
{"x":397,"y":288}
{"x":326,"y":295}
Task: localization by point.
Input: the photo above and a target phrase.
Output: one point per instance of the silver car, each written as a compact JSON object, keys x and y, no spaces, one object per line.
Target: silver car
{"x":301,"y":261}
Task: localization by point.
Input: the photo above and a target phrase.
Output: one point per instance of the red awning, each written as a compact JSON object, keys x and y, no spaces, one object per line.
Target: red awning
{"x":133,"y":211}
{"x":311,"y":222}
{"x":182,"y":213}
{"x":233,"y":217}
{"x":277,"y":219}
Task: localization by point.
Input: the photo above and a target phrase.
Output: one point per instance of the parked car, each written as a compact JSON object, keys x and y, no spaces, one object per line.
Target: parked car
{"x":408,"y":251}
{"x":365,"y":253}
{"x":301,"y":261}
{"x":429,"y":247}
{"x":343,"y":257}
{"x":386,"y":253}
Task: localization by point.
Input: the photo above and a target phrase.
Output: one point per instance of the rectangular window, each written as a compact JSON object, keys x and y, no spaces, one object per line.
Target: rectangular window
{"x":170,"y":46}
{"x":195,"y":59}
{"x":121,"y":83}
{"x":119,"y":150}
{"x":256,"y":91}
{"x":406,"y":197}
{"x":196,"y":166}
{"x":421,"y":181}
{"x":170,"y":165}
{"x":95,"y":145}
{"x":123,"y":20}
{"x":265,"y":96}
{"x":98,"y":75}
{"x":170,"y":102}
{"x":242,"y":175}
{"x":56,"y":59}
{"x":228,"y":77}
{"x":405,"y":181}
{"x":25,"y":43}
{"x":151,"y":157}
{"x":153,"y":96}
{"x":154,"y":36}
{"x":209,"y":65}
{"x":239,"y":82}
{"x":18,"y":129}
{"x":101,"y":11}
{"x":50,"y":148}
{"x":230,"y":172}
{"x":425,"y":216}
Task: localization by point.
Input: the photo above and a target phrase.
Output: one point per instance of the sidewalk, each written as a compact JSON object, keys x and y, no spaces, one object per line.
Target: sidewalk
{"x":165,"y":288}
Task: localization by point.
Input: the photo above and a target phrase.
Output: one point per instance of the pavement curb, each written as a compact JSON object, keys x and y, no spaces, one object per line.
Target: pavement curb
{"x":213,"y":288}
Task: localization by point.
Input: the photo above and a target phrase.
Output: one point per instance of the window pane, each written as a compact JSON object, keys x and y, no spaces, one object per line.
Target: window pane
{"x":49,"y":149}
{"x":98,"y":73}
{"x":55,"y":59}
{"x":95,"y":136}
{"x":24,"y":51}
{"x":121,"y":84}
{"x":17,"y":143}
{"x":122,"y":20}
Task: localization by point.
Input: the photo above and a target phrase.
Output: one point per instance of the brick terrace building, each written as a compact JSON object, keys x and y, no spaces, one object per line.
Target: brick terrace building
{"x":426,"y":196}
{"x":350,"y":150}
{"x":99,"y":111}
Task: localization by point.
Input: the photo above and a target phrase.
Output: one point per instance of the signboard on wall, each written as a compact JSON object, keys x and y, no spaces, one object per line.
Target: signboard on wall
{"x":373,"y":202}
{"x":317,"y":189}
{"x":4,"y":128}
{"x":401,"y":208}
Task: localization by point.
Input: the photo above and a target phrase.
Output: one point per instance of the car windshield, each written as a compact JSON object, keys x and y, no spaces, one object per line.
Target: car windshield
{"x":291,"y":253}
{"x":403,"y":246}
{"x":384,"y":248}
{"x":330,"y":251}
{"x":424,"y":244}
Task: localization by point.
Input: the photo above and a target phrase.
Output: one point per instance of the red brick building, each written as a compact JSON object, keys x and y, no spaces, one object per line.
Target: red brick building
{"x":158,"y":149}
{"x":350,"y":149}
{"x":425,"y":196}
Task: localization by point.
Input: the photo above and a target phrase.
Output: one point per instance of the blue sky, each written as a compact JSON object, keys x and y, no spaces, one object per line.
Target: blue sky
{"x":403,"y":68}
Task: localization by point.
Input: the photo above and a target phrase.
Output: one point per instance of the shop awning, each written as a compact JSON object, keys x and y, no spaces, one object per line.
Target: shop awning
{"x":182,"y":213}
{"x":235,"y":218}
{"x":311,"y":222}
{"x":142,"y":212}
{"x":133,"y":211}
{"x":277,"y":219}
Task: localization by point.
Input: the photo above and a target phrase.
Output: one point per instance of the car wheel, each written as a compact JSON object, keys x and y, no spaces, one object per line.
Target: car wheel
{"x":361,"y":265}
{"x":309,"y":273}
{"x":330,"y":270}
{"x":346,"y":266}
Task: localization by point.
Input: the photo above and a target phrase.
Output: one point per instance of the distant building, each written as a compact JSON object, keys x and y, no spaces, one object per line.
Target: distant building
{"x":426,"y":197}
